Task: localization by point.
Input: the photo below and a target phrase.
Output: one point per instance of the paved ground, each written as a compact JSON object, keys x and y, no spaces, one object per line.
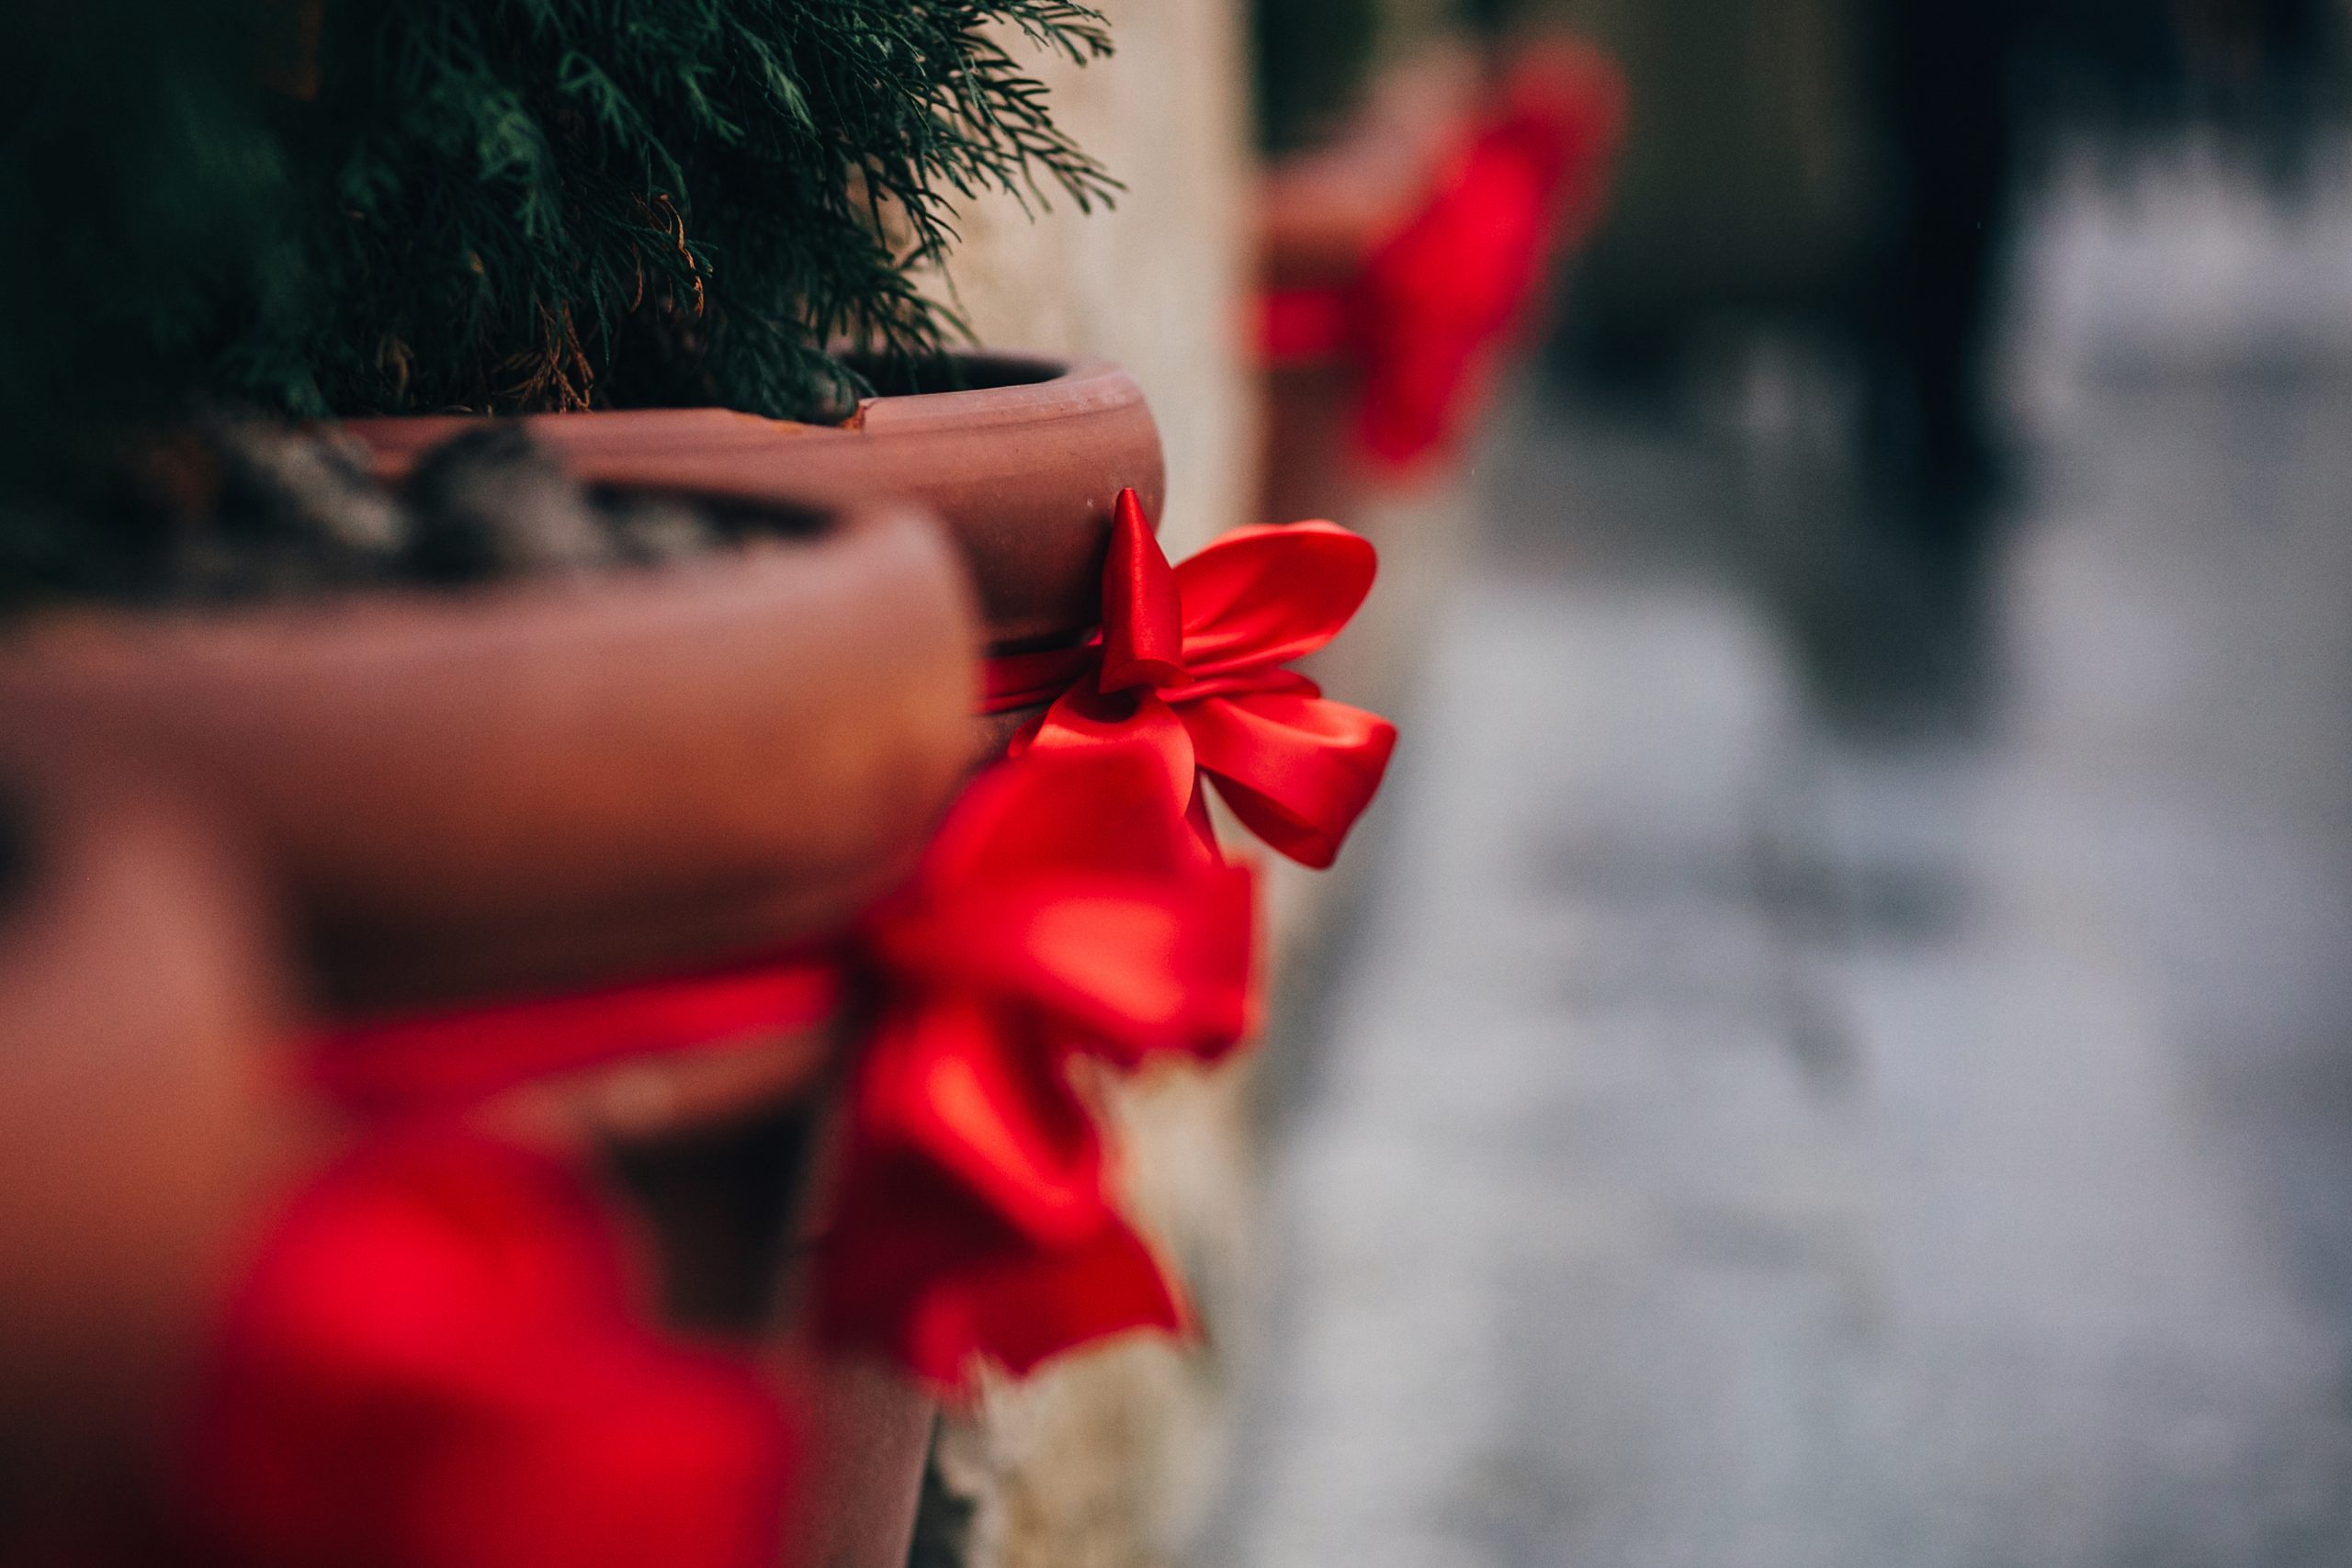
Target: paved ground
{"x":1798,"y":1100}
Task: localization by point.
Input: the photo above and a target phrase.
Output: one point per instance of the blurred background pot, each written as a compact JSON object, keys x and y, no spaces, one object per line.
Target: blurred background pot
{"x":1321,"y":210}
{"x":1405,"y":261}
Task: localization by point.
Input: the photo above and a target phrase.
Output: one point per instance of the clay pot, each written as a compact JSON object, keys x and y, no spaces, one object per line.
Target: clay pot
{"x":871,"y":1427}
{"x":1024,"y":469}
{"x":539,"y":786}
{"x":732,"y":1189}
{"x":141,"y":1125}
{"x":870,"y":1422}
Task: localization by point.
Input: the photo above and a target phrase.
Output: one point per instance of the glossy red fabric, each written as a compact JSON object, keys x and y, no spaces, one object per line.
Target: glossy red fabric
{"x":1440,"y":298}
{"x":1187,"y":674}
{"x":1016,"y":680}
{"x":1065,"y":923}
{"x":435,"y":1362}
{"x":446,"y":1059}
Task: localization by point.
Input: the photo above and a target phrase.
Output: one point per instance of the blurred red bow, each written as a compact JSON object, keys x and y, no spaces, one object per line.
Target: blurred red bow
{"x":1438,"y":298}
{"x":1443,"y":294}
{"x":1063,"y":920}
{"x":1189,"y":670}
{"x":434,"y":1364}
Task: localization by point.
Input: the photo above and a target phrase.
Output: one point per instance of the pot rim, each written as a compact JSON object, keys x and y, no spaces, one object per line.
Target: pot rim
{"x":1060,"y":387}
{"x":1027,"y":476}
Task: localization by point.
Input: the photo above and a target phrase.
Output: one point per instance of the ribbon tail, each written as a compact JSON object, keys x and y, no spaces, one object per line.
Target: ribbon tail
{"x":1018,"y":1305}
{"x":1050,"y":1303}
{"x":1196,"y":816}
{"x":892,"y":1269}
{"x":943,"y":1082}
{"x":918,"y":1269}
{"x":1142,"y":616}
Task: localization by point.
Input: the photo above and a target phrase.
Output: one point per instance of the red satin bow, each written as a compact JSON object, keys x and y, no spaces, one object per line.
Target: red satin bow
{"x":435,"y":1364}
{"x":1189,"y":672}
{"x":1065,"y":921}
{"x":1438,"y":298}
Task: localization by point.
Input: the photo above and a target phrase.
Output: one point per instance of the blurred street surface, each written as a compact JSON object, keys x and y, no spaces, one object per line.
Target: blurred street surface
{"x":1843,"y":1058}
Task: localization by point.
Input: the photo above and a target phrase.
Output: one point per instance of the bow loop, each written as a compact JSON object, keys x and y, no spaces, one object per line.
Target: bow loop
{"x":939,"y":1277}
{"x":1292,"y":763}
{"x":1085,"y":814}
{"x":1264,"y":595}
{"x":1083,"y":721}
{"x":994,"y":1116}
{"x":1127,"y":965}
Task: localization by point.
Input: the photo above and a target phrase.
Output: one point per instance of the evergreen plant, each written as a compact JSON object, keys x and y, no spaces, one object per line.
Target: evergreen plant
{"x":314,"y":207}
{"x":143,"y":236}
{"x":536,"y":205}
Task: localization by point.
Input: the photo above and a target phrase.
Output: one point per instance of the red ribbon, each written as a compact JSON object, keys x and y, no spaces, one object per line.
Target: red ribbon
{"x":1188,"y":671}
{"x":448,"y":1059}
{"x":435,"y":1363}
{"x":1069,"y":919}
{"x":1438,"y":298}
{"x":1064,"y":922}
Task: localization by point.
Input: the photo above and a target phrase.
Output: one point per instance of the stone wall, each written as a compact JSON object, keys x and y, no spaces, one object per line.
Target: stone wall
{"x":1157,"y":282}
{"x":1109,"y":1459}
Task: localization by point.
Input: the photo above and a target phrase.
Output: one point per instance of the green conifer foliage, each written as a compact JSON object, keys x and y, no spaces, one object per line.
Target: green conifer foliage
{"x":142,"y":236}
{"x":532,"y":205}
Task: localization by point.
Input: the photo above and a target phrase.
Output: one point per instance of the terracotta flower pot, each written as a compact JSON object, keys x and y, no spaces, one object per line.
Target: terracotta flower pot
{"x":147,"y":1135}
{"x":1024,"y":468}
{"x":140,"y":1124}
{"x":546,"y":785}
